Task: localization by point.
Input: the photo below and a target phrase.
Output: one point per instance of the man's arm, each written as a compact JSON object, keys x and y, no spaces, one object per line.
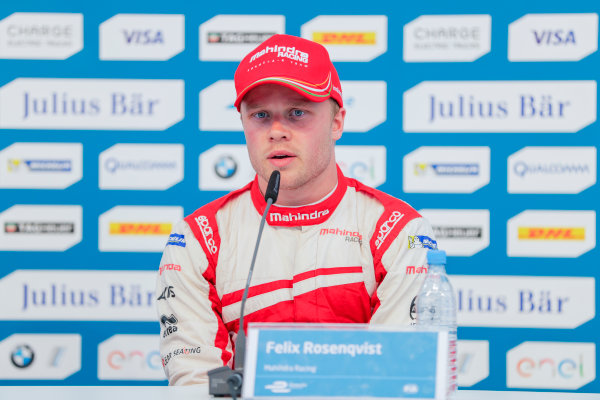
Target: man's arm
{"x":193,"y":337}
{"x":400,"y":275}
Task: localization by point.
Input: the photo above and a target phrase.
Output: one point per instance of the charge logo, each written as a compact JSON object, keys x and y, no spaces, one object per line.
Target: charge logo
{"x":345,"y":38}
{"x":551,"y":233}
{"x":138,"y":228}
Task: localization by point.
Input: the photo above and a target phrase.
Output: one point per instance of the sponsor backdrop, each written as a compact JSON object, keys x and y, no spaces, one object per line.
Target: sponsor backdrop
{"x":117,"y":119}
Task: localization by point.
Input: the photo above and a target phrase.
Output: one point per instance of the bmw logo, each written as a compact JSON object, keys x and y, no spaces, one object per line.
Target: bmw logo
{"x":22,"y":356}
{"x":225,"y":167}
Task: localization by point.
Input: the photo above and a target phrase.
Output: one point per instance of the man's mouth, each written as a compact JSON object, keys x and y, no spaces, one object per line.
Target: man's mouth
{"x":280,"y":156}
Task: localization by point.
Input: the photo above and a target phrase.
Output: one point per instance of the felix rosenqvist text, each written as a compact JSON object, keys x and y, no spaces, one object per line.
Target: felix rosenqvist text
{"x":308,"y":347}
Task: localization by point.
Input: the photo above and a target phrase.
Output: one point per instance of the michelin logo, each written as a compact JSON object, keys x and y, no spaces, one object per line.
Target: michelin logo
{"x":421,"y":241}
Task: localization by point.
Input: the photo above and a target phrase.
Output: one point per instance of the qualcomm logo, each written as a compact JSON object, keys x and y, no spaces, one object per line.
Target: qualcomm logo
{"x":41,"y":36}
{"x":551,"y":365}
{"x":349,"y":37}
{"x":460,"y":232}
{"x":524,"y":301}
{"x":141,"y":166}
{"x":231,"y":37}
{"x":137,"y":228}
{"x":142,"y":37}
{"x":42,"y":295}
{"x":500,"y":106}
{"x":447,"y":38}
{"x":40,"y":356}
{"x":41,"y":165}
{"x":551,"y":233}
{"x":111,"y":104}
{"x":130,"y":357}
{"x":446,"y":169}
{"x":551,"y":169}
{"x":553,"y":37}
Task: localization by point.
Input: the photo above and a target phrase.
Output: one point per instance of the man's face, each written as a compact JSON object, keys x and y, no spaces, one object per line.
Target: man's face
{"x":287,"y":132}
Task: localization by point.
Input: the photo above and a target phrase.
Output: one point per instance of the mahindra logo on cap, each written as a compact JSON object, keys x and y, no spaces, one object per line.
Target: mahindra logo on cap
{"x":282,"y":51}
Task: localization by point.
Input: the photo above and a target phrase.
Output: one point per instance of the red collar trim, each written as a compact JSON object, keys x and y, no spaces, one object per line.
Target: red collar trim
{"x":299,"y":216}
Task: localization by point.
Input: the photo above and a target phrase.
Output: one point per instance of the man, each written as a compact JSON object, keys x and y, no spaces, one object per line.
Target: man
{"x":333,"y":249}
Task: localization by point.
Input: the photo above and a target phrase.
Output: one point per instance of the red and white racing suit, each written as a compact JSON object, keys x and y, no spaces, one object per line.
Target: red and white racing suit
{"x":354,"y":257}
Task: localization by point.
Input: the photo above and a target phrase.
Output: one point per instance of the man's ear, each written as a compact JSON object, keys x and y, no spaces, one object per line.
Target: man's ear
{"x":337,"y":125}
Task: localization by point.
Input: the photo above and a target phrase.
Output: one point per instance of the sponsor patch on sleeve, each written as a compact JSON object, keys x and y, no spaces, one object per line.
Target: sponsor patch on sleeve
{"x":176,"y":240}
{"x":421,"y":241}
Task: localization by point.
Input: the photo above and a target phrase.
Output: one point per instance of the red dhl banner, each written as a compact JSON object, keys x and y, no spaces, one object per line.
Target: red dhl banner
{"x":551,"y":233}
{"x":140,"y":228}
{"x":354,"y":38}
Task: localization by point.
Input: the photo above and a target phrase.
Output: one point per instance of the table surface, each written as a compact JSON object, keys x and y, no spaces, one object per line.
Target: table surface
{"x":201,"y":393}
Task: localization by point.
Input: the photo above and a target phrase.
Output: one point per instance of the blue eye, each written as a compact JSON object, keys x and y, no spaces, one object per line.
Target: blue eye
{"x":297,"y":113}
{"x":260,"y":114}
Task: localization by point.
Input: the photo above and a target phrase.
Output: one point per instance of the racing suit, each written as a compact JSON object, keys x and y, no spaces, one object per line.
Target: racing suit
{"x":353,"y":257}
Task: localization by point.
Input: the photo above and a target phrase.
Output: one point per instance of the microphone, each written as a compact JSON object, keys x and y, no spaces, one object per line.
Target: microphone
{"x":223,"y":381}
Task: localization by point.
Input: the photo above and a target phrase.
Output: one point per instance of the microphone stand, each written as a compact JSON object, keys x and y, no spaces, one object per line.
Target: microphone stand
{"x":224,"y":381}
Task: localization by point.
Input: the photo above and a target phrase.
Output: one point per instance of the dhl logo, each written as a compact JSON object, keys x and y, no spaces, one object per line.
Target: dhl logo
{"x":551,"y":233}
{"x":140,"y":228}
{"x":355,"y":38}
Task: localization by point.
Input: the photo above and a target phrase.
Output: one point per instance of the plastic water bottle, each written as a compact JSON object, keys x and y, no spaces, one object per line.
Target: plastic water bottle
{"x":436,"y":307}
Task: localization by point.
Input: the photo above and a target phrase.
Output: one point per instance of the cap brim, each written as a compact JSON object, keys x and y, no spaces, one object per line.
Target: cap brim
{"x":313,"y":93}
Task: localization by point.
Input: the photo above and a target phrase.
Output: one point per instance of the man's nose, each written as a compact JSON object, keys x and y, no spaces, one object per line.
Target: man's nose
{"x":278,"y":131}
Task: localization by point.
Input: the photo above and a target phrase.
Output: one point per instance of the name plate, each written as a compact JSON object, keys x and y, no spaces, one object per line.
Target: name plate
{"x":316,"y":360}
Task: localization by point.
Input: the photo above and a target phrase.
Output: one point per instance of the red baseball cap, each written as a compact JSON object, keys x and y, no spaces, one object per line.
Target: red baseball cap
{"x":300,"y":64}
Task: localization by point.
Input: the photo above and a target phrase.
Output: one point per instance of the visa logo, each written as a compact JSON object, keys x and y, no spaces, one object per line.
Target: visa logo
{"x":540,"y":233}
{"x":143,"y":37}
{"x":554,"y":37}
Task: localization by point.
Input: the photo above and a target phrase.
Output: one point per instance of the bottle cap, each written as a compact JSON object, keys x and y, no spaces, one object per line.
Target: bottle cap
{"x":436,"y":257}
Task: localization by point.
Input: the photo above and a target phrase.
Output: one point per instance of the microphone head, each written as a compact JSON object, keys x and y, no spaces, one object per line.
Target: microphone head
{"x":273,"y":187}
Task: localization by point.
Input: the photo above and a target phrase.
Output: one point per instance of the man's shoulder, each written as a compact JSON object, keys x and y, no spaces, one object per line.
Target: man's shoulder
{"x":214,"y":206}
{"x":387,"y":201}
